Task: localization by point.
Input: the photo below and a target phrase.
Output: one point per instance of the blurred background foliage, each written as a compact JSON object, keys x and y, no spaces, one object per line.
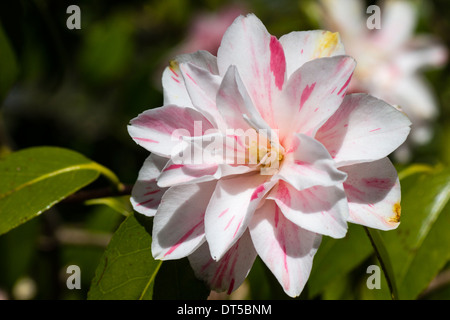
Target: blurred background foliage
{"x":78,"y":89}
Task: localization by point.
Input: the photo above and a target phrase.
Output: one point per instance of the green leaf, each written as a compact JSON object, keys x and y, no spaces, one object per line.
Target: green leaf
{"x":384,"y":259}
{"x":127,"y":270}
{"x":35,"y":179}
{"x":419,"y":248}
{"x":121,"y":204}
{"x":337,"y":257}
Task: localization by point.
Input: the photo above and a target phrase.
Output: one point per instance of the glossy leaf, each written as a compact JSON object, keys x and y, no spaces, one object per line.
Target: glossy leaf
{"x":420,"y":247}
{"x":127,"y":270}
{"x":337,"y":257}
{"x":35,"y":179}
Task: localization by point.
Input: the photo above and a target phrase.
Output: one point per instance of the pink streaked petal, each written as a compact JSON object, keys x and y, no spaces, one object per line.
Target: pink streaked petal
{"x":318,"y":209}
{"x":285,"y":248}
{"x":176,"y":174}
{"x":260,"y":60}
{"x":226,"y":151}
{"x":228,"y":273}
{"x":173,"y":83}
{"x":202,"y":87}
{"x":363,"y":129}
{"x":231,"y":208}
{"x":313,"y":93}
{"x":373,"y":193}
{"x":303,"y":46}
{"x":235,"y":104}
{"x":159,"y":130}
{"x":146,"y":195}
{"x":178,"y":227}
{"x":309,"y":164}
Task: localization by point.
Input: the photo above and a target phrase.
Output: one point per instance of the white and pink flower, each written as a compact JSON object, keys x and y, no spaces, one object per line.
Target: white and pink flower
{"x":321,"y":156}
{"x":390,"y":60}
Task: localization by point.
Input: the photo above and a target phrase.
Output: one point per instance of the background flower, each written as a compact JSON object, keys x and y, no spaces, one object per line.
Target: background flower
{"x":390,"y":60}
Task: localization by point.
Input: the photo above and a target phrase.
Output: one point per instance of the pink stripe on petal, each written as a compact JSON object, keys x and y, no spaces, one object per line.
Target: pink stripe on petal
{"x":277,"y":61}
{"x":145,"y":202}
{"x":230,"y":289}
{"x":173,"y":166}
{"x":229,"y":222}
{"x":258,"y":190}
{"x":145,"y":140}
{"x":237,"y":228}
{"x":384,"y":184}
{"x":182,"y":239}
{"x":277,"y":216}
{"x":151,"y":192}
{"x":173,"y":71}
{"x":223,"y":212}
{"x":192,"y":79}
{"x":345,"y":84}
{"x":306,"y":94}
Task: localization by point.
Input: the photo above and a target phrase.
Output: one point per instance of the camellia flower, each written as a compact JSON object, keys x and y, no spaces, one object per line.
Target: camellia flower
{"x":293,"y":156}
{"x":389,"y":60}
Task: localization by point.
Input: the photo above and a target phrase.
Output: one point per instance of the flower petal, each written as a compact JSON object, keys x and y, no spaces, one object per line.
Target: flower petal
{"x":421,"y":52}
{"x":414,"y":95}
{"x":303,"y":46}
{"x":318,"y":209}
{"x":347,"y":16}
{"x":313,"y":93}
{"x":159,"y":130}
{"x":178,"y":227}
{"x":259,"y":57}
{"x":177,"y":174}
{"x":202,"y":87}
{"x":307,"y":163}
{"x":363,"y":129}
{"x":373,"y":193}
{"x":229,"y":272}
{"x":397,"y":25}
{"x":285,"y":248}
{"x":231,"y":208}
{"x":235,"y":104}
{"x":173,"y":83}
{"x":146,"y":195}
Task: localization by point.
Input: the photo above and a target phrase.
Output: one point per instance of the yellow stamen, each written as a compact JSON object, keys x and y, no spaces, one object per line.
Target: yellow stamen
{"x":327,"y":44}
{"x":397,"y":209}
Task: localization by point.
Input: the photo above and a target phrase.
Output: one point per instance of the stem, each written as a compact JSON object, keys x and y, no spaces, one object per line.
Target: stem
{"x":84,"y":195}
{"x":108,"y":174}
{"x":383,"y":258}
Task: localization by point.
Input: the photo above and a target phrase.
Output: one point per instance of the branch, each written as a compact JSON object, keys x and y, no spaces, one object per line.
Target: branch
{"x":84,"y":195}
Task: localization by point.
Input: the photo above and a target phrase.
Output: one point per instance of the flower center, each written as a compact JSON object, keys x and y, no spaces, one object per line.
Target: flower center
{"x":265,"y":153}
